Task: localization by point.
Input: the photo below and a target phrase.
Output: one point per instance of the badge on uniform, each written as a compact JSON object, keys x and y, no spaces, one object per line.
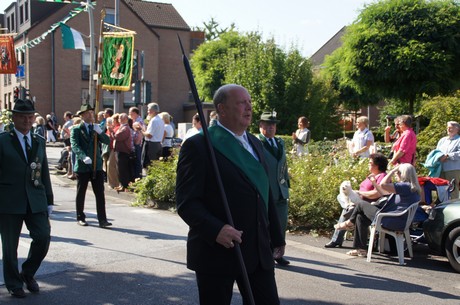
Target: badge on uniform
{"x":36,"y":172}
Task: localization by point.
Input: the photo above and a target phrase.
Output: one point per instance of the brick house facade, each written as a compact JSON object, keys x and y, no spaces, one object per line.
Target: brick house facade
{"x":58,"y":79}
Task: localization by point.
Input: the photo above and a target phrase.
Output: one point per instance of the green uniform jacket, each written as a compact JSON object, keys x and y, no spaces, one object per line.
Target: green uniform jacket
{"x":82,"y":146}
{"x":20,"y":184}
{"x":277,"y":168}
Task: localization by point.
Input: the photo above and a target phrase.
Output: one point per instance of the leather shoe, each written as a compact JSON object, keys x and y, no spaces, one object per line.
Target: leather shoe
{"x":31,"y":283}
{"x":82,"y":223}
{"x":18,"y":293}
{"x":332,"y":244}
{"x":105,"y":224}
{"x":282,"y":261}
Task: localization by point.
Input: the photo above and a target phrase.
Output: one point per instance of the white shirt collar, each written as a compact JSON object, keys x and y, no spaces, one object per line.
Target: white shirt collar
{"x":245,"y":137}
{"x":20,"y":135}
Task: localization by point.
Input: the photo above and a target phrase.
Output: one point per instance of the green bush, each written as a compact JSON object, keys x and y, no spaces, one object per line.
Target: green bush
{"x":315,"y":181}
{"x":157,"y":188}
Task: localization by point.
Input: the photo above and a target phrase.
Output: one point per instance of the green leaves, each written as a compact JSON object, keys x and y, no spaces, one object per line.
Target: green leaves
{"x":401,"y":49}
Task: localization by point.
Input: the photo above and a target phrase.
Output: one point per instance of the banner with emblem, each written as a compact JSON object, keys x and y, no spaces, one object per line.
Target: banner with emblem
{"x":117,"y":60}
{"x":8,"y":57}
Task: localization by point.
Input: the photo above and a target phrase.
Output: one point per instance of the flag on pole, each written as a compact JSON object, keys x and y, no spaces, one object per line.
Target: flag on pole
{"x":71,"y":39}
{"x":117,"y":61}
{"x":7,"y":55}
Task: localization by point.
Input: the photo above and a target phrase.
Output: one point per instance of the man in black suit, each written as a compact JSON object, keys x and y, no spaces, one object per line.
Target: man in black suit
{"x":244,"y":176}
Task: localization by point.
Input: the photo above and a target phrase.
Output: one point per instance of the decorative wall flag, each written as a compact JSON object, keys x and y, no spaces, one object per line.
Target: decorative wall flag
{"x":7,"y":54}
{"x":117,"y":61}
{"x":71,"y":39}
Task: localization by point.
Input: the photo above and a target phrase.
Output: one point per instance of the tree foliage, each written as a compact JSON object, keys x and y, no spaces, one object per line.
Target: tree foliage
{"x":212,"y":29}
{"x":402,"y":49}
{"x":276,"y":79}
{"x":438,"y":110}
{"x":209,"y":62}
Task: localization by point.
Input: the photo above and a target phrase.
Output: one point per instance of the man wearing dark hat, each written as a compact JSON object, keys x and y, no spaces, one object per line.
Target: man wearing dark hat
{"x":27,"y":197}
{"x":275,"y":155}
{"x":88,"y":165}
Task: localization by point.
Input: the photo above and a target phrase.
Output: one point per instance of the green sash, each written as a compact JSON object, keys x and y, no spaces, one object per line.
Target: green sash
{"x":227,"y":145}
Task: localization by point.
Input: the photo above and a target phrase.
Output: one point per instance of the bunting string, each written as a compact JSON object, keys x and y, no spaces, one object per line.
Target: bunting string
{"x":36,"y":41}
{"x":62,"y":1}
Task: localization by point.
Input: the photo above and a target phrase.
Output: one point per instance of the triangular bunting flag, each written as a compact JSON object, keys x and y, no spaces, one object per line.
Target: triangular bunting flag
{"x":71,"y":39}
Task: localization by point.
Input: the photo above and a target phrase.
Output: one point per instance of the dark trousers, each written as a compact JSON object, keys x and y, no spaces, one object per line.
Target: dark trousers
{"x":362,"y":216}
{"x":98,"y":188}
{"x":10,"y":229}
{"x":151,"y":151}
{"x":218,"y":289}
{"x":124,"y":169}
{"x":138,"y":161}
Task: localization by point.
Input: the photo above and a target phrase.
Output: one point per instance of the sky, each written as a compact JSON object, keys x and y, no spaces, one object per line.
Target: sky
{"x":308,"y":24}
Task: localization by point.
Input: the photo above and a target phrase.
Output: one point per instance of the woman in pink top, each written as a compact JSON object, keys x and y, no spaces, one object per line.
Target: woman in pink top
{"x":377,"y":167}
{"x":404,"y":148}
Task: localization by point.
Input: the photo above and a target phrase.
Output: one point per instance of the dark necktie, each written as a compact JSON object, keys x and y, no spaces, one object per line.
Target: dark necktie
{"x":90,"y":129}
{"x":272,"y":143}
{"x":28,"y":148}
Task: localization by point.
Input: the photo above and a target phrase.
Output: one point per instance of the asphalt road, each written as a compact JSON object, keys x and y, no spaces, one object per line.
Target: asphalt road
{"x":141,"y":260}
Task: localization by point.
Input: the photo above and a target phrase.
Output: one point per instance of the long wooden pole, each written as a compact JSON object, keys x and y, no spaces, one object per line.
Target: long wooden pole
{"x":98,"y":86}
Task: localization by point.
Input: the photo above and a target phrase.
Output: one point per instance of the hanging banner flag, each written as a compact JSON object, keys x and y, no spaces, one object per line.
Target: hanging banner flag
{"x":71,"y":39}
{"x":8,"y":57}
{"x":117,"y":61}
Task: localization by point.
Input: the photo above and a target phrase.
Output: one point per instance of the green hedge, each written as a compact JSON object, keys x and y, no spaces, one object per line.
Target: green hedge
{"x":315,"y":181}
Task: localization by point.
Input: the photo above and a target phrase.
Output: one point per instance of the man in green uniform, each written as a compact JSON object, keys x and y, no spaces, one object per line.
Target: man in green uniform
{"x":275,"y":155}
{"x":27,"y":197}
{"x":88,"y":164}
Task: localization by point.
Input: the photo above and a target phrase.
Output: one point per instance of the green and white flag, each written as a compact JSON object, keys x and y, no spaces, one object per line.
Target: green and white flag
{"x":71,"y":39}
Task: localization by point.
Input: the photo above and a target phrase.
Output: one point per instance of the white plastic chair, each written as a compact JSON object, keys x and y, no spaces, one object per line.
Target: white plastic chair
{"x":398,"y":235}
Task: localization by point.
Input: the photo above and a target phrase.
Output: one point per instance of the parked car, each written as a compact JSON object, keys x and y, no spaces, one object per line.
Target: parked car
{"x":442,"y":231}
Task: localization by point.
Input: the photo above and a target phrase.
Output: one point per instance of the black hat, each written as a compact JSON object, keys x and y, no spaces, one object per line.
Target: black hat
{"x":23,"y":106}
{"x":269,"y":117}
{"x":85,"y":107}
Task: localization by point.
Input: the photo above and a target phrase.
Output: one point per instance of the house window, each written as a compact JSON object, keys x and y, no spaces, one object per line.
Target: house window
{"x":109,"y":15}
{"x":85,"y":60}
{"x":21,"y":14}
{"x":108,"y":99}
{"x":4,"y":80}
{"x":12,"y":25}
{"x":26,"y":10}
{"x":84,"y":96}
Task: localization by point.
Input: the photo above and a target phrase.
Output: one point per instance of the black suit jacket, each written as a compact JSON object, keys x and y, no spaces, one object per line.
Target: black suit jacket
{"x":200,"y":206}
